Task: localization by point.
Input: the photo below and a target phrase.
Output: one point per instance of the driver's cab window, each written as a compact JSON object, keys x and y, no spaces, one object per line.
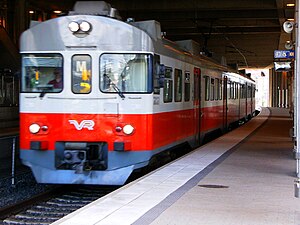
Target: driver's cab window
{"x":81,"y":74}
{"x":42,"y":73}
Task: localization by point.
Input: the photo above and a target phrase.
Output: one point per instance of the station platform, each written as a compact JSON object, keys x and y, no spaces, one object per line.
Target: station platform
{"x":244,"y":177}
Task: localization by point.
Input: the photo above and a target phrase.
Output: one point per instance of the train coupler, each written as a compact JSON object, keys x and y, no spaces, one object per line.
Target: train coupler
{"x":82,"y":156}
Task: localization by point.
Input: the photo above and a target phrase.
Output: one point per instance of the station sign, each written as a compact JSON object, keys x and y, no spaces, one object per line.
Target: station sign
{"x":283,"y":66}
{"x":284,"y":54}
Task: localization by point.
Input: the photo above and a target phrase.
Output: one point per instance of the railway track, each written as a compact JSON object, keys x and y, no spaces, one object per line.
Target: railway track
{"x":53,"y":205}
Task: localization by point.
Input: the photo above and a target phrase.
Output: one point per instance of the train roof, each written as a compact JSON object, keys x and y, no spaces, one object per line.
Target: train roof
{"x":186,"y":50}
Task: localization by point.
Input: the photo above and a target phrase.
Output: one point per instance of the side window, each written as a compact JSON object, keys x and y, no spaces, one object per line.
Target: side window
{"x":221,"y":90}
{"x":212,"y":89}
{"x":156,"y":74}
{"x":244,"y":91}
{"x":249,"y":92}
{"x":187,"y":86}
{"x":168,"y":85}
{"x":241,"y":91}
{"x":178,"y":85}
{"x":234,"y":90}
{"x":229,"y":93}
{"x":81,"y":74}
{"x":207,"y":88}
{"x":217,"y":89}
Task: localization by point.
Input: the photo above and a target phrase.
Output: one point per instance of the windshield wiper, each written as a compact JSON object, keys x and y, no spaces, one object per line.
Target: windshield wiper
{"x":118,"y":90}
{"x":42,"y":94}
{"x":45,"y":89}
{"x":115,"y":87}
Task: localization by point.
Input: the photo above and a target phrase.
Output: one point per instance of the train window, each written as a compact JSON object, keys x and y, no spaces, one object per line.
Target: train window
{"x":178,"y":85}
{"x":125,"y":73}
{"x":42,"y":73}
{"x":249,"y":92}
{"x":236,"y":90}
{"x":168,"y":85}
{"x":207,"y":88}
{"x":232,"y":90}
{"x":81,"y":74}
{"x":187,"y":86}
{"x":158,"y":73}
{"x":217,"y":89}
{"x":221,"y":90}
{"x":243,"y":91}
{"x":212,"y":89}
{"x":229,"y":90}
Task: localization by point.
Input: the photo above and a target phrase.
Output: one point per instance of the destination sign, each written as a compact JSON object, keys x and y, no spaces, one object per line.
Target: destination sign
{"x":284,"y":54}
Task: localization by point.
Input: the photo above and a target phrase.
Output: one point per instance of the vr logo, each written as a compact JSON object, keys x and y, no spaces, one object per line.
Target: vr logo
{"x":88,"y":124}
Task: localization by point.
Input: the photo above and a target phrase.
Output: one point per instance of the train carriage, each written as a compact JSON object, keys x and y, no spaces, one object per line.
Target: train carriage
{"x":100,"y":97}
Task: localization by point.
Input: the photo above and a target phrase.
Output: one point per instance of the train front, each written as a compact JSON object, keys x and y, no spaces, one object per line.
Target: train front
{"x":86,"y":100}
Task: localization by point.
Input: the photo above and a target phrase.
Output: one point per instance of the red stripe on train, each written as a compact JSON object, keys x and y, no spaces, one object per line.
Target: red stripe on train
{"x":151,"y":130}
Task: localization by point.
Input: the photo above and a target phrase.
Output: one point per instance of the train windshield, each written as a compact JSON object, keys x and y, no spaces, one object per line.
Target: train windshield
{"x":42,"y":73}
{"x":125,"y":73}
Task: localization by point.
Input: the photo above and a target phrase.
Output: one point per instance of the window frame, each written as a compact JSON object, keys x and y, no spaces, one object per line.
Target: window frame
{"x":187,"y":86}
{"x":207,"y":88}
{"x":177,"y":85}
{"x":149,"y":77}
{"x":168,"y":80}
{"x":23,"y":55}
{"x":72,"y":76}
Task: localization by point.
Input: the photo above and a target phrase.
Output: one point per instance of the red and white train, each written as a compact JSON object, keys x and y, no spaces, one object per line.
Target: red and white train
{"x":100,"y":97}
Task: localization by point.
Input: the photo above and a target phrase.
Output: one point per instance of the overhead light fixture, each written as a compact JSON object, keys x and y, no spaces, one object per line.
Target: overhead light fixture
{"x":291,"y":19}
{"x":289,"y":45}
{"x":290,"y":4}
{"x":31,"y":12}
{"x":288,"y":26}
{"x":57,"y":11}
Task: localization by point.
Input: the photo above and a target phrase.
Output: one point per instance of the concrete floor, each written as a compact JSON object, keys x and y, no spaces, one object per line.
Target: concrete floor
{"x":247,"y":177}
{"x":257,"y":179}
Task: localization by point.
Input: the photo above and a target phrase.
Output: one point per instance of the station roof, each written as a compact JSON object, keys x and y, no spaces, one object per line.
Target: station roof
{"x":245,"y":32}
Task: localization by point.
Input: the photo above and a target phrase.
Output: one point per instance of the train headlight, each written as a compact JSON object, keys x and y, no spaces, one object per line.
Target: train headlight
{"x":34,"y":128}
{"x":74,"y":26}
{"x":85,"y":26}
{"x":128,"y":129}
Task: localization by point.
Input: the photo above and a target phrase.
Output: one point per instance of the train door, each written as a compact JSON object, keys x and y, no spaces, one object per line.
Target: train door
{"x":225,"y":103}
{"x":251,"y":97}
{"x":238,"y":94}
{"x":197,"y":104}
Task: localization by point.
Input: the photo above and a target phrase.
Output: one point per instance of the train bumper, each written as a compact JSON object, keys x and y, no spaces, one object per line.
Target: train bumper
{"x":120,"y":166}
{"x":112,"y":177}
